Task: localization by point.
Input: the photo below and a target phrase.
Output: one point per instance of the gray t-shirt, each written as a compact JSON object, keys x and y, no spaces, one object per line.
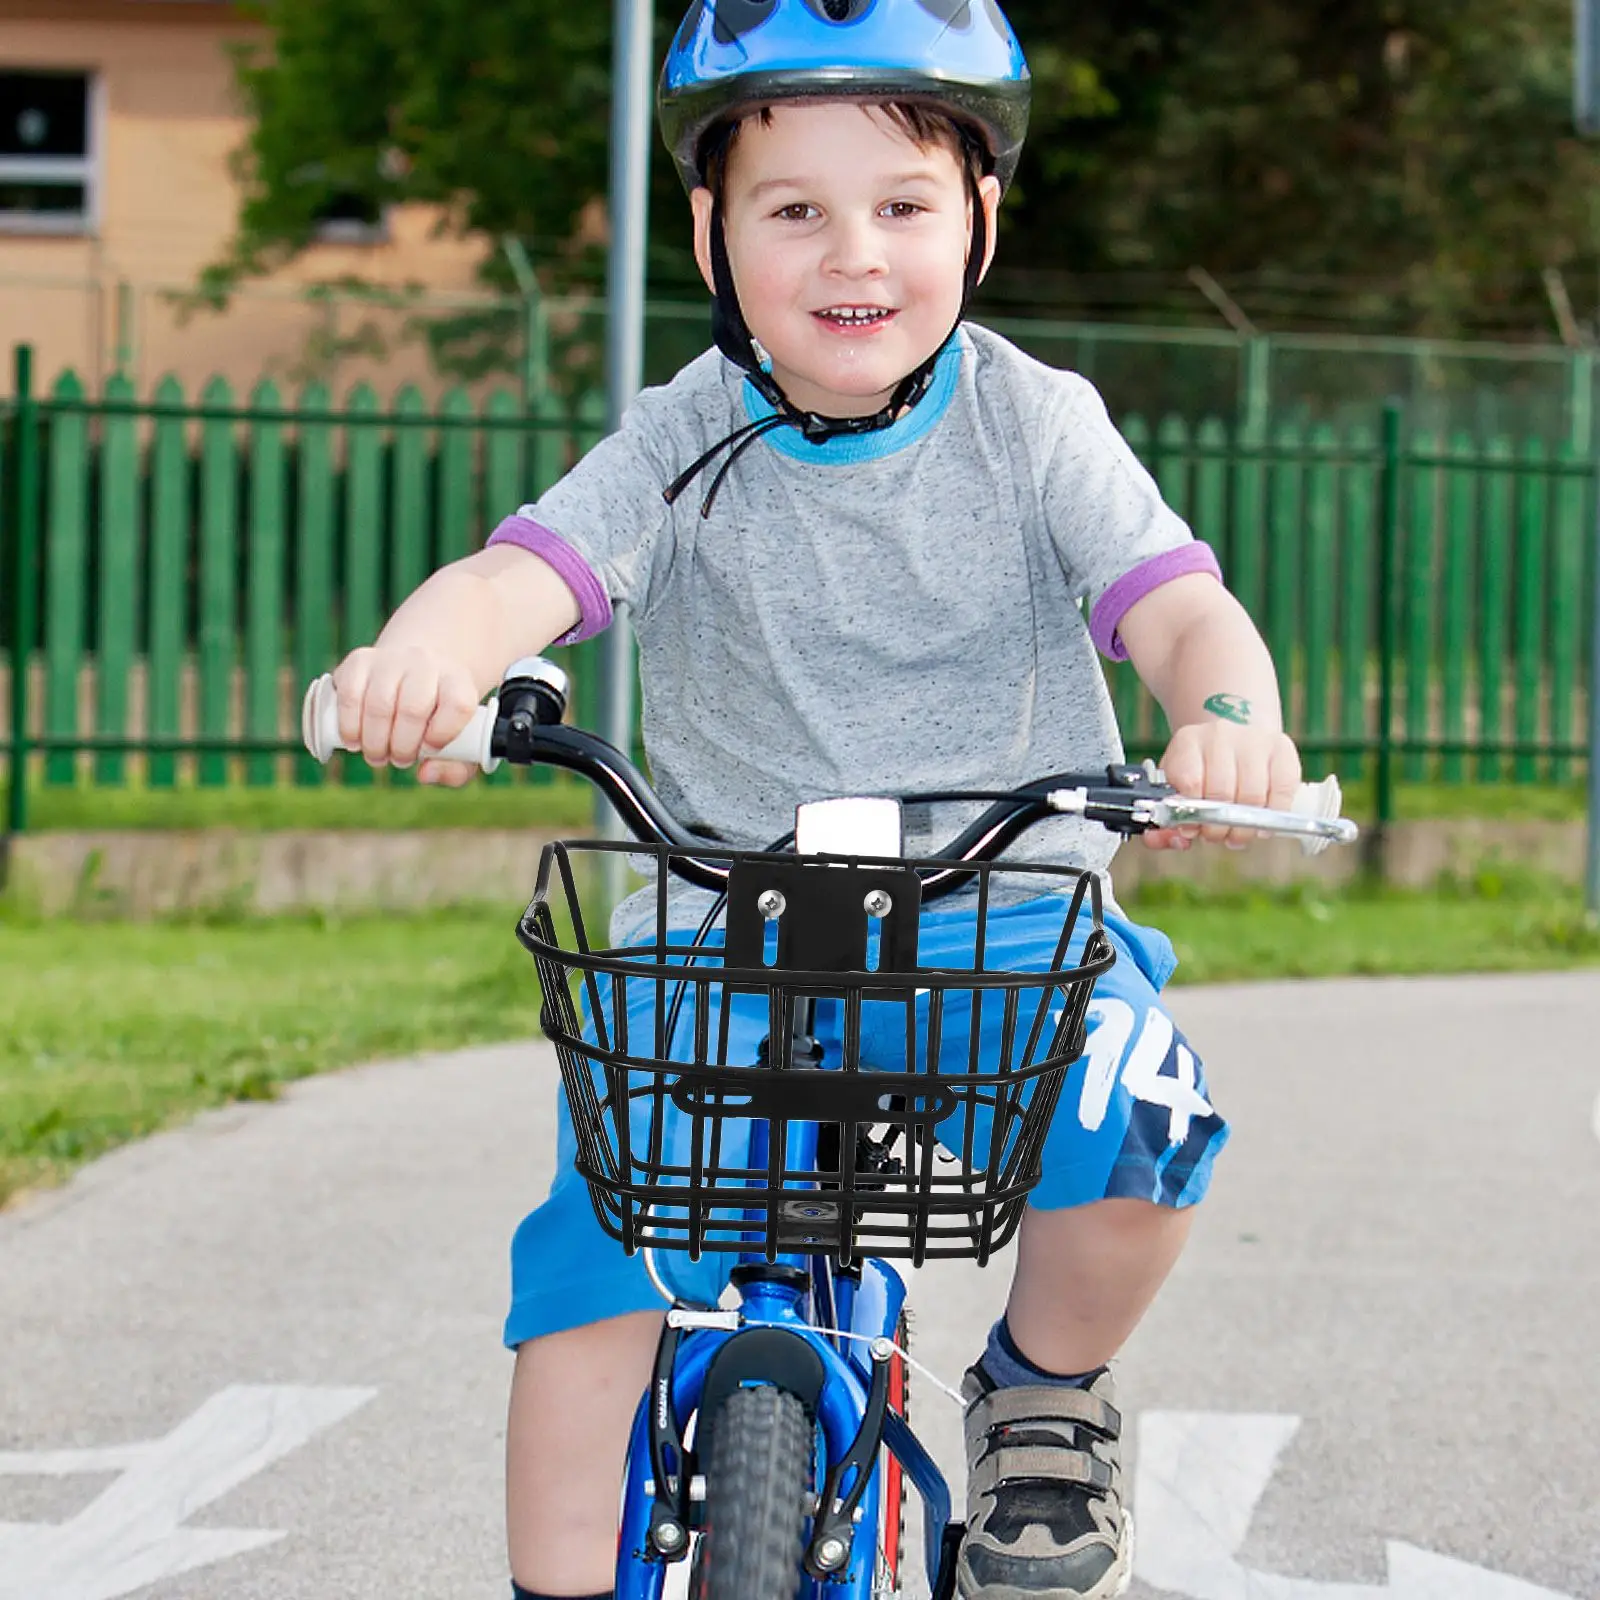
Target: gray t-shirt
{"x":893,"y":612}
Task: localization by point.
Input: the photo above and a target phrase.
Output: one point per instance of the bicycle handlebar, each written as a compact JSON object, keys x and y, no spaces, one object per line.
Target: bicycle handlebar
{"x":522,"y":724}
{"x":319,"y":720}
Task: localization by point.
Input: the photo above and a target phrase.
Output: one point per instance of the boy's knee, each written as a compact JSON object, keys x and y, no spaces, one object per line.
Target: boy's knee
{"x":592,"y":1342}
{"x":1126,"y":1230}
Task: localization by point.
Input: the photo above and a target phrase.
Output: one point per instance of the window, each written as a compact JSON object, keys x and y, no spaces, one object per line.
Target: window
{"x":46,"y":152}
{"x":351,"y":219}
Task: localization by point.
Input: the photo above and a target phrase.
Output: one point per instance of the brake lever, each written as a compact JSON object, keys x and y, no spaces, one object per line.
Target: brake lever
{"x":1140,"y":799}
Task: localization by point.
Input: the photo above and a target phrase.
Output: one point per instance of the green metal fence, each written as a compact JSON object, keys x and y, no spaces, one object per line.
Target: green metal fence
{"x":176,"y":570}
{"x":1428,"y":602}
{"x":343,"y":333}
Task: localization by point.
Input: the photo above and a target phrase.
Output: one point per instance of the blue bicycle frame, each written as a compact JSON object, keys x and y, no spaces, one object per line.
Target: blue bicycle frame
{"x":866,"y":1305}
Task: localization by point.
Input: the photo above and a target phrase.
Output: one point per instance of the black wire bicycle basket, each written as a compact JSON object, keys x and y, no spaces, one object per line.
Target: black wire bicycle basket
{"x":691,"y":1080}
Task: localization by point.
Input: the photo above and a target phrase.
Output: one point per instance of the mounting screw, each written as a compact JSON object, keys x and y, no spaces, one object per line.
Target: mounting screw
{"x":878,"y":903}
{"x":882,"y":1349}
{"x":772,"y":905}
{"x":667,"y":1537}
{"x":831,"y":1554}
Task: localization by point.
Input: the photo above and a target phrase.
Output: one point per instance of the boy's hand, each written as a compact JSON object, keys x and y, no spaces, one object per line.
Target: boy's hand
{"x":394,"y":701}
{"x":1220,"y":760}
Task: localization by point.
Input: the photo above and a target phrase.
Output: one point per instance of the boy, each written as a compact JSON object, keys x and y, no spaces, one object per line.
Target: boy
{"x":878,"y":591}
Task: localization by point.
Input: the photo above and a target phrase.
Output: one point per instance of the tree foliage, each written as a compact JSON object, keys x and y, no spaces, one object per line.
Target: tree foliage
{"x":1423,"y":146}
{"x":1415,"y":158}
{"x":497,"y":112}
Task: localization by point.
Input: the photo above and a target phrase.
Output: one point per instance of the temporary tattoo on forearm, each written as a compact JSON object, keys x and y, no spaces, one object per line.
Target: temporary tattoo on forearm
{"x":1231,"y":708}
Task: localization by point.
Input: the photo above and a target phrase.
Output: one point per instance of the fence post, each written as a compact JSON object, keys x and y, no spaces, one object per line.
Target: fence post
{"x":1580,"y":400}
{"x":1388,"y":534}
{"x":535,"y":325}
{"x":24,"y":479}
{"x":1257,"y":406}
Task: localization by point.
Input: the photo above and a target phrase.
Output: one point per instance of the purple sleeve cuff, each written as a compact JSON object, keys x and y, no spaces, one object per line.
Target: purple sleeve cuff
{"x":594,"y":604}
{"x":1133,"y":586}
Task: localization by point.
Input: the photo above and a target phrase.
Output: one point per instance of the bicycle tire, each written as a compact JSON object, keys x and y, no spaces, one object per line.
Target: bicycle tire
{"x":758,"y":1497}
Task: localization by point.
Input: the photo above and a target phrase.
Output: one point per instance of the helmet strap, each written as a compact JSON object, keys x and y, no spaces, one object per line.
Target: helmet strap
{"x":728,"y":327}
{"x":980,"y":246}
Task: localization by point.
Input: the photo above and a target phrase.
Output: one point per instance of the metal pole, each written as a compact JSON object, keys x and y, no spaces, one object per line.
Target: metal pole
{"x":632,"y":74}
{"x":1592,"y":875}
{"x":1388,"y":536}
{"x":1257,"y":386}
{"x":535,"y":340}
{"x":1580,"y":400}
{"x":1586,"y":65}
{"x":24,"y":478}
{"x":125,"y":327}
{"x":1586,"y":113}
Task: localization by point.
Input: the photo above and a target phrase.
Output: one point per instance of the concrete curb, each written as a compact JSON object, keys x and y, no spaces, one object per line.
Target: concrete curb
{"x":144,"y":874}
{"x":1411,"y":855}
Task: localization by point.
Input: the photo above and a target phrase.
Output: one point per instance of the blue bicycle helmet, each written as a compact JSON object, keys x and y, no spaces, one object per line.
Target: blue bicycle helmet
{"x":959,"y":55}
{"x":729,"y":56}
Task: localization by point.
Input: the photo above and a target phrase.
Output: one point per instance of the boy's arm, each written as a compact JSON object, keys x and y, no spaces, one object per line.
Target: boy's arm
{"x":1196,"y":649}
{"x":443,"y":650}
{"x":485,"y":611}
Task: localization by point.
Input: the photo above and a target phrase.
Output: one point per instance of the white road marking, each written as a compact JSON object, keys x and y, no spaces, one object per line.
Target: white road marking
{"x":1200,"y":1478}
{"x":70,"y":1463}
{"x":132,"y":1535}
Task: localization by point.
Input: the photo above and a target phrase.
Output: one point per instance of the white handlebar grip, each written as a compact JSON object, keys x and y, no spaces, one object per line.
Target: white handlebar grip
{"x":319,"y":719}
{"x":319,"y":730}
{"x":1324,"y":799}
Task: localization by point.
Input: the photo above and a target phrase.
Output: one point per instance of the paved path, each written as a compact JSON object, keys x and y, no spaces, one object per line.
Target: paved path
{"x":1402,"y":1251}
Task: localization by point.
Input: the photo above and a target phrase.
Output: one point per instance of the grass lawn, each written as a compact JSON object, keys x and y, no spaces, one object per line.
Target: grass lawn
{"x":117,"y":1029}
{"x":567,"y":802}
{"x":564,"y":802}
{"x":114,"y":1030}
{"x":1522,"y":802}
{"x":1496,"y":922}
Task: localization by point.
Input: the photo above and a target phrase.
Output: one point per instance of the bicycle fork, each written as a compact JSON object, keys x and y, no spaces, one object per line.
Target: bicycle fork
{"x":844,"y":1383}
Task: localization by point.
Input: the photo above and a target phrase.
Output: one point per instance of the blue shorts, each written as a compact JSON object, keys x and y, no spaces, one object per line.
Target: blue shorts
{"x":1134,"y":1120}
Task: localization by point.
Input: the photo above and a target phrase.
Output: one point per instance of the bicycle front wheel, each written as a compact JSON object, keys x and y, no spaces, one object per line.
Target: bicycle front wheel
{"x":758,"y":1498}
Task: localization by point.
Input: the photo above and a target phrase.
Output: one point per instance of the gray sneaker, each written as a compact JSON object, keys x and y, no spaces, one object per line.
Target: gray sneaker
{"x":1045,"y":1519}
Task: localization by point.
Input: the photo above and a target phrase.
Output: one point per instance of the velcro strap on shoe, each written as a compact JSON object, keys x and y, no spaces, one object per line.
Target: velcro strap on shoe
{"x":1008,"y":1407}
{"x":1041,"y":1464}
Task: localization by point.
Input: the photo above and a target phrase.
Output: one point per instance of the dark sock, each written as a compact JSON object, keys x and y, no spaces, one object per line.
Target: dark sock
{"x":519,"y":1593}
{"x":1008,"y":1368}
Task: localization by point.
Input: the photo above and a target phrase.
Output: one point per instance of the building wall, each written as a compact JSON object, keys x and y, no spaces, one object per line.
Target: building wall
{"x":168,"y":119}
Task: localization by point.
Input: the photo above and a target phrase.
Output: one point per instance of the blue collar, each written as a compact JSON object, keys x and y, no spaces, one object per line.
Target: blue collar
{"x":850,"y":449}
